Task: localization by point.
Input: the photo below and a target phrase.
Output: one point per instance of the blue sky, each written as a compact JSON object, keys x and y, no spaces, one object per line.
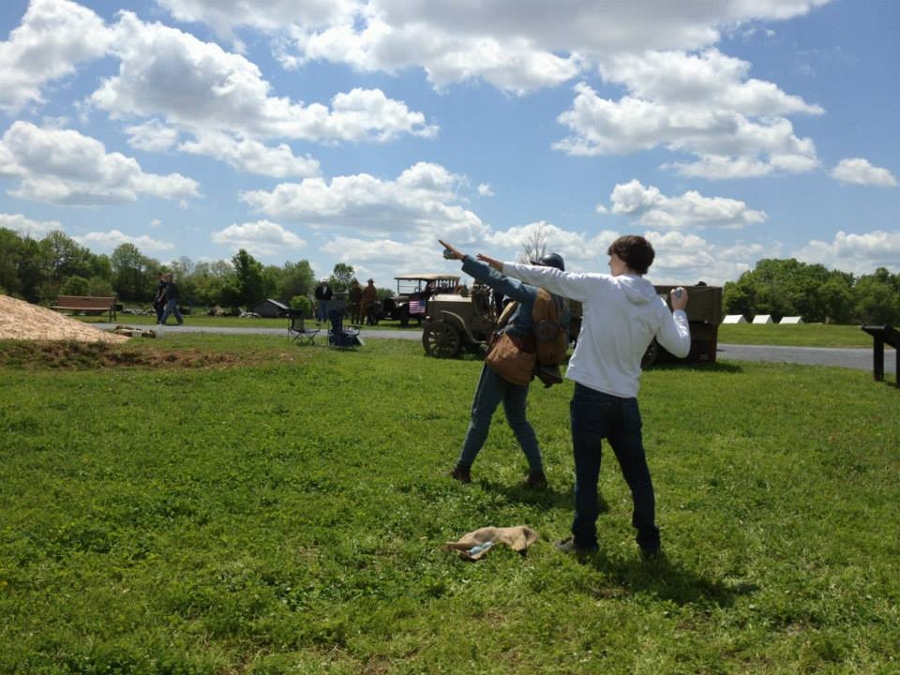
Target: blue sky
{"x":361,"y":131}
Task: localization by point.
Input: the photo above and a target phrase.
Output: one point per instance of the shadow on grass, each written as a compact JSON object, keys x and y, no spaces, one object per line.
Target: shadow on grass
{"x":549,"y":497}
{"x":662,"y":578}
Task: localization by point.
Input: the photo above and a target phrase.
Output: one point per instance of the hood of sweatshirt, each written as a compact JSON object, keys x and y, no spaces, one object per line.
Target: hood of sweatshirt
{"x":638,"y":290}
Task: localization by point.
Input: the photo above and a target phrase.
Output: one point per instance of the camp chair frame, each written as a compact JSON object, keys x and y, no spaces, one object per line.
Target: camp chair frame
{"x":298,"y":332}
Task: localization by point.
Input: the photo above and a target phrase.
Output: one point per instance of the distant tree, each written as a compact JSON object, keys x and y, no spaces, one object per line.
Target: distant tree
{"x":302,"y":303}
{"x":10,"y":259}
{"x":248,"y":279}
{"x":341,"y":277}
{"x":535,"y":245}
{"x":790,"y":288}
{"x":876,"y":298}
{"x":296,"y":279}
{"x":133,"y":278}
{"x":75,"y":286}
{"x":63,"y":257}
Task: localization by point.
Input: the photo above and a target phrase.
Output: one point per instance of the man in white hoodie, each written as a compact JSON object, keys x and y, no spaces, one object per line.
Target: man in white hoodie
{"x":622,"y":314}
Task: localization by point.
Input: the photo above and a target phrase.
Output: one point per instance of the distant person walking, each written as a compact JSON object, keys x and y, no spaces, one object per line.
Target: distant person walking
{"x":172,"y":297}
{"x":159,"y":297}
{"x":622,"y":314}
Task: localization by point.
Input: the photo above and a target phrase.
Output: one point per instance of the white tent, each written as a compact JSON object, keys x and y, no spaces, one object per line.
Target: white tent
{"x":763,"y":318}
{"x":734,"y":318}
{"x":791,"y":319}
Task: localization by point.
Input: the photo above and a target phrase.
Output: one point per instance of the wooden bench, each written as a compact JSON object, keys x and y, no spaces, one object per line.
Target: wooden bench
{"x":86,"y":303}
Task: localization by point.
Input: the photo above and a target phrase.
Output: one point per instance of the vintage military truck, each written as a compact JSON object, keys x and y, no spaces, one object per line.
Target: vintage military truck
{"x":457,"y":321}
{"x":413,"y":291}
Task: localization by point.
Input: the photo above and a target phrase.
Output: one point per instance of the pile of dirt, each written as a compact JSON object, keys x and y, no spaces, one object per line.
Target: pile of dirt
{"x":23,"y":321}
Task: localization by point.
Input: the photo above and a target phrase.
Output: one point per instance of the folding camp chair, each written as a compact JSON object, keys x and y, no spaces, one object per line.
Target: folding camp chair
{"x":298,"y":332}
{"x":340,"y":336}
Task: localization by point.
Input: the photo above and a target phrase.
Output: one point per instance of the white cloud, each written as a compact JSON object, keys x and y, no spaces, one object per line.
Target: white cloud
{"x":27,"y":227}
{"x":262,"y":238}
{"x":66,"y":167}
{"x":861,"y":172}
{"x":855,"y":253}
{"x":485,"y":190}
{"x":701,"y":105}
{"x":152,"y":136}
{"x":649,"y":207}
{"x":109,"y":241}
{"x":197,"y":87}
{"x":421,"y":201}
{"x":252,"y":156}
{"x":55,"y":36}
{"x":528,"y":46}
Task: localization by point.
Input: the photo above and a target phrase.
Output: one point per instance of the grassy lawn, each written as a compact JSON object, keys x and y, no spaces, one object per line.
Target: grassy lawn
{"x":207,"y":504}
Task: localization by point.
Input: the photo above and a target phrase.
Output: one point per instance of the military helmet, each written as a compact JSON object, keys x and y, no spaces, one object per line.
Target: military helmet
{"x":551,"y":260}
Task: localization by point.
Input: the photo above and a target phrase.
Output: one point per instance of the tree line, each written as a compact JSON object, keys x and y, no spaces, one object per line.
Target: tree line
{"x":814,"y":293}
{"x":40,"y":270}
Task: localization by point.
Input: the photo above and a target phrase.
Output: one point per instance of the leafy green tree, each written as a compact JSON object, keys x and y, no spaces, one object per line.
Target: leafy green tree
{"x":10,"y":257}
{"x":877,"y":298}
{"x":75,"y":286}
{"x":341,"y":277}
{"x":296,"y":279}
{"x":249,"y":281}
{"x":133,"y":278}
{"x":64,"y":257}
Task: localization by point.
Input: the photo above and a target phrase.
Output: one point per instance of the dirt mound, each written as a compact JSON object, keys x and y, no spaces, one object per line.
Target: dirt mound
{"x":23,"y":321}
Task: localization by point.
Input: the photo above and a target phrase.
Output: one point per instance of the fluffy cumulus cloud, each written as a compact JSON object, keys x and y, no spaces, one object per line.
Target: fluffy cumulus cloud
{"x":262,"y":238}
{"x":422,"y":200}
{"x":855,"y":253}
{"x":650,"y":208}
{"x":528,"y":46}
{"x":702,"y":106}
{"x":55,"y":36}
{"x":861,"y":172}
{"x":109,"y":241}
{"x":65,"y":167}
{"x":26,"y":227}
{"x":198,"y":87}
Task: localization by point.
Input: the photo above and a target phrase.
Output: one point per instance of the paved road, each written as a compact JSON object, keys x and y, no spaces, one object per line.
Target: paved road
{"x":858,"y":359}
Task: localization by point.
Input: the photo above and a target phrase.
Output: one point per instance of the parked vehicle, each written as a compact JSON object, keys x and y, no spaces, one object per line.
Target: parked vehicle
{"x":413,"y":292}
{"x":454,"y":322}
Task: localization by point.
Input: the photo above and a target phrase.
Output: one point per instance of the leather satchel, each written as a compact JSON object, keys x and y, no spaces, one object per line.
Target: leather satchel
{"x":508,"y":358}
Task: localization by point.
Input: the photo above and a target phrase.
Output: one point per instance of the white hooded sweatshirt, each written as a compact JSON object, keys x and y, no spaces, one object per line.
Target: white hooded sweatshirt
{"x":620,"y":317}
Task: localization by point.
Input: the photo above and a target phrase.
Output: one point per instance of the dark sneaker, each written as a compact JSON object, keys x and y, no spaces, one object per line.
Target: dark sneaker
{"x":536,"y":480}
{"x":461,"y":473}
{"x":569,"y":546}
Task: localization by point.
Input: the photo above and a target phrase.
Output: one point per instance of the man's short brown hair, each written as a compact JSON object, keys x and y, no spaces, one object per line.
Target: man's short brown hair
{"x":634,"y":251}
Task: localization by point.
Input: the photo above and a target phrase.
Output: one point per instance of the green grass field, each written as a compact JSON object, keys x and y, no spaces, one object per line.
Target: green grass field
{"x":206,"y":504}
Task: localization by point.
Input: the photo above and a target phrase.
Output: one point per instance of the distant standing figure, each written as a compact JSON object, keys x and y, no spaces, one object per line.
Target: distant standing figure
{"x":355,"y":299}
{"x":323,"y":294}
{"x":172,"y":297}
{"x":369,"y":300}
{"x":159,"y":297}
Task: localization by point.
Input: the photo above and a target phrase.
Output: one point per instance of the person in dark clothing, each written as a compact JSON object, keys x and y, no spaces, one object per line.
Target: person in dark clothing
{"x":172,"y":297}
{"x":493,"y":390}
{"x":323,"y":294}
{"x":159,"y":297}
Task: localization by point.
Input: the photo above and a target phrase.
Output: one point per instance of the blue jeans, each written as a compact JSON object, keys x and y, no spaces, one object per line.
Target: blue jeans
{"x":492,"y":390}
{"x":596,"y":416}
{"x":172,"y":308}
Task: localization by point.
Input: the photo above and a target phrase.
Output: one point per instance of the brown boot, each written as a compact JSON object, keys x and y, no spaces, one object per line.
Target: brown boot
{"x":536,"y":480}
{"x":461,"y":473}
